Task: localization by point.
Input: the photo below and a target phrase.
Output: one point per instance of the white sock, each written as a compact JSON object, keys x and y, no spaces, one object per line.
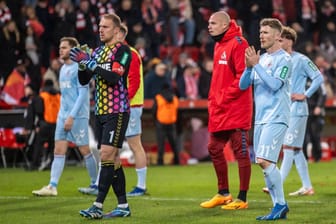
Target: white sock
{"x":142,"y":174}
{"x":98,"y":174}
{"x":57,"y":167}
{"x":91,"y":166}
{"x":123,"y":205}
{"x":287,"y":163}
{"x":302,"y":169}
{"x":274,"y":180}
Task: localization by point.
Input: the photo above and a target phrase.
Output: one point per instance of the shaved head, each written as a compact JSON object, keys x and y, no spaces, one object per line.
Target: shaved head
{"x":218,"y":23}
{"x":222,"y":16}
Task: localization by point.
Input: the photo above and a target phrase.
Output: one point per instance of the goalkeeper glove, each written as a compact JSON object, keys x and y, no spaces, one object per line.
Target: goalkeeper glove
{"x":81,"y":67}
{"x":78,"y":55}
{"x":90,"y":64}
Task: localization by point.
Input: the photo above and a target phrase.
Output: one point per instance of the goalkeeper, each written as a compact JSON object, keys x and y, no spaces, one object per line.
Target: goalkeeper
{"x":108,"y":65}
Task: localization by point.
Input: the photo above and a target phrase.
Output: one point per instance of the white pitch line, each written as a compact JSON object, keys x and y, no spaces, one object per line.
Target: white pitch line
{"x":149,"y":199}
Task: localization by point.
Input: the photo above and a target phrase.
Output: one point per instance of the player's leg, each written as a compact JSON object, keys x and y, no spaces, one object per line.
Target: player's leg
{"x":216,"y":145}
{"x":80,"y":137}
{"x":57,"y":167}
{"x":240,"y":147}
{"x":119,"y":181}
{"x":133,"y":136}
{"x":267,"y":154}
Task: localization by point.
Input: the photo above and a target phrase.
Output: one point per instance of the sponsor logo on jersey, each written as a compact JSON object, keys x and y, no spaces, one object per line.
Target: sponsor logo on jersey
{"x":284,"y":72}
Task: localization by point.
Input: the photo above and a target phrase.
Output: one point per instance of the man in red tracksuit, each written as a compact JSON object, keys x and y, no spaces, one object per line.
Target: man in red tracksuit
{"x":230,"y":110}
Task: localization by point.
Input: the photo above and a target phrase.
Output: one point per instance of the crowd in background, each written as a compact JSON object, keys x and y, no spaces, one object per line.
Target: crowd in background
{"x":171,"y":36}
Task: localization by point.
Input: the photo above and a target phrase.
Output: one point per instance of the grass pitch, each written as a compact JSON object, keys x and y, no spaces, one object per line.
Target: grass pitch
{"x":175,"y":193}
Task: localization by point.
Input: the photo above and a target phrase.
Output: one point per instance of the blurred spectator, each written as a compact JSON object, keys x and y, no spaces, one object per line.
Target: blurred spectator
{"x":324,"y":67}
{"x":32,"y":115}
{"x":45,"y":14}
{"x":5,"y":13}
{"x":308,"y":18}
{"x":205,"y":78}
{"x":103,"y":7}
{"x":155,"y":80}
{"x":332,"y":74}
{"x":177,"y":78}
{"x":46,"y":126}
{"x":315,"y":123}
{"x":310,"y":50}
{"x":279,"y":11}
{"x":52,"y":72}
{"x":140,"y":45}
{"x":191,"y":75}
{"x":165,"y":109}
{"x":34,"y":73}
{"x":127,"y":7}
{"x":257,"y":9}
{"x":152,"y":26}
{"x":327,"y":21}
{"x":31,"y":46}
{"x":86,"y":25}
{"x":33,"y":21}
{"x":30,"y":2}
{"x":13,"y":90}
{"x":181,"y":15}
{"x":328,"y":49}
{"x":11,"y":47}
{"x":65,"y":20}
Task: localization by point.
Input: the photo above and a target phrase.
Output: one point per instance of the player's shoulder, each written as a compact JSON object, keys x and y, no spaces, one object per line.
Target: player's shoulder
{"x":282,"y":54}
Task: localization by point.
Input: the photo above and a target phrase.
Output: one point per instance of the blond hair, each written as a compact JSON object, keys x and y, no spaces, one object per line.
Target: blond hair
{"x":73,"y":42}
{"x":272,"y":22}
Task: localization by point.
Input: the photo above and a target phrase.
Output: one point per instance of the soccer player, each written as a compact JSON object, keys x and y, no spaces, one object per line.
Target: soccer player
{"x":303,"y":68}
{"x":109,"y":65}
{"x":133,"y":132}
{"x":270,"y":74}
{"x":72,"y":121}
{"x":228,"y":120}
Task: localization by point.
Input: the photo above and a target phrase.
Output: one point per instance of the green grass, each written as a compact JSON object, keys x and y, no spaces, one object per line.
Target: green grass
{"x":175,"y":195}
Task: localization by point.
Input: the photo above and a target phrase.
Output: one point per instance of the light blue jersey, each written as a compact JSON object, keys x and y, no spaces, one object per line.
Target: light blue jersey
{"x":75,"y":103}
{"x":272,"y":100}
{"x":303,"y":68}
{"x":271,"y":79}
{"x":74,"y":97}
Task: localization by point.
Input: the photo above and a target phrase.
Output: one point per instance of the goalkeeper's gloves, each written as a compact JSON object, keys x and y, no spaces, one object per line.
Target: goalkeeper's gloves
{"x":81,"y":55}
{"x":78,"y":55}
{"x":81,"y":67}
{"x":90,"y":64}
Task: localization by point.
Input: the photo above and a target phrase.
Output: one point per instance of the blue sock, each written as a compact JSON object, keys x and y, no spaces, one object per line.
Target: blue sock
{"x":287,"y":163}
{"x":56,"y":169}
{"x":302,"y":169}
{"x":91,"y":166}
{"x":142,"y":173}
{"x":274,"y":180}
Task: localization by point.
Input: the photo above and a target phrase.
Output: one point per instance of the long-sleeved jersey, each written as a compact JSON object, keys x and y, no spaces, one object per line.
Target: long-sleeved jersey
{"x":303,"y":68}
{"x":271,"y":79}
{"x":74,"y":96}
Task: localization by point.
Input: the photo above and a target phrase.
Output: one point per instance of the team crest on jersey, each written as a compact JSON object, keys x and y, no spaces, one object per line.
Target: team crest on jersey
{"x":222,"y":60}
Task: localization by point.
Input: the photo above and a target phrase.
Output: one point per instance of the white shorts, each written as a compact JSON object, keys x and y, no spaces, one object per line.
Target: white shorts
{"x":296,"y":131}
{"x":79,"y":133}
{"x":134,"y":124}
{"x":268,"y":140}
